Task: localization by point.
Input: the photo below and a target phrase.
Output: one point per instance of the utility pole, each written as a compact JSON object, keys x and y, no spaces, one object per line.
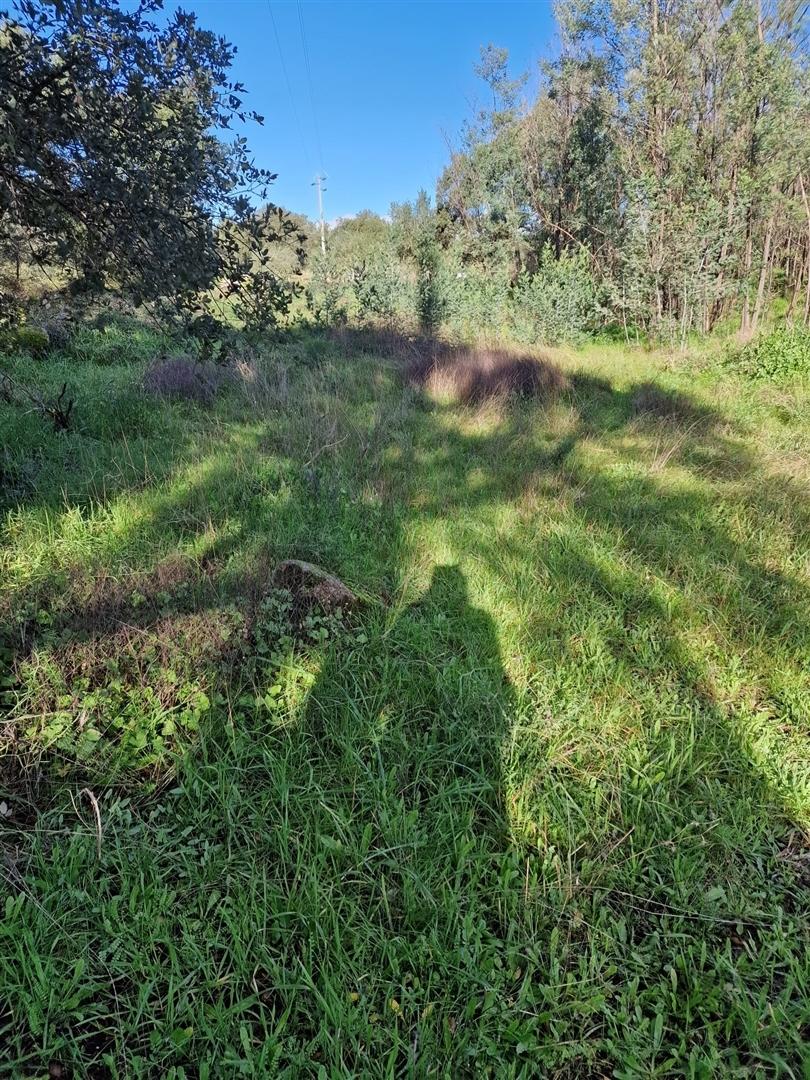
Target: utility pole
{"x":319,"y":181}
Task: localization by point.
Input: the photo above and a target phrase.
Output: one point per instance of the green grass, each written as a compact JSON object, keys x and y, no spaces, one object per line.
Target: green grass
{"x":541,"y":809}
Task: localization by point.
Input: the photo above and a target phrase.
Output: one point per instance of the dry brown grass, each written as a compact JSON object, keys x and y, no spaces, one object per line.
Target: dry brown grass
{"x":474,"y":374}
{"x":467,"y":374}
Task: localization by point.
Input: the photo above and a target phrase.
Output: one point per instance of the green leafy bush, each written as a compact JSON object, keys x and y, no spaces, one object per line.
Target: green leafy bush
{"x":428,"y":293}
{"x":25,"y":339}
{"x":781,"y":354}
{"x":379,"y":287}
{"x":475,"y":303}
{"x":559,"y":302}
{"x":325,"y":296}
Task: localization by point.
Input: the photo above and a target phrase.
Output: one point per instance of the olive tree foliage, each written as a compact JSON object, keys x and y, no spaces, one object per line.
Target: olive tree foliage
{"x":113,"y":164}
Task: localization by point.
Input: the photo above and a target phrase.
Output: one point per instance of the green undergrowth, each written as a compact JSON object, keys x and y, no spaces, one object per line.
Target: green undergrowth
{"x":538,"y":807}
{"x":778,"y":355}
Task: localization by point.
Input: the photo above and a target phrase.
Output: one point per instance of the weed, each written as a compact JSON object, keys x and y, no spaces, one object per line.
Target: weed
{"x":780,"y":354}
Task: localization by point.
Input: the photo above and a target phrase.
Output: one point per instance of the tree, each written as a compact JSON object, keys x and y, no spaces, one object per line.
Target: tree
{"x":111,"y":161}
{"x":710,"y":123}
{"x":482,"y":193}
{"x":426,"y":256}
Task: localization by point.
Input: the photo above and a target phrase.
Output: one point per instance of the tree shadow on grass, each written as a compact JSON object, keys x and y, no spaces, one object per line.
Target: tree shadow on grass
{"x":654,"y":794}
{"x":638,"y":821}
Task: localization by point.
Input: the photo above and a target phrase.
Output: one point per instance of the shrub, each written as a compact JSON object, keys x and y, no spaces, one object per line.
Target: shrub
{"x":25,"y":339}
{"x":325,"y":296}
{"x":475,"y":303}
{"x":266,"y":299}
{"x":58,"y":326}
{"x":181,"y":378}
{"x":378,"y":287}
{"x":559,"y":302}
{"x":429,"y":307}
{"x":781,"y":354}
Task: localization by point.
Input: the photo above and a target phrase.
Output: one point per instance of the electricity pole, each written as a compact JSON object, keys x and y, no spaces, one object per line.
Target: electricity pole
{"x":319,"y":181}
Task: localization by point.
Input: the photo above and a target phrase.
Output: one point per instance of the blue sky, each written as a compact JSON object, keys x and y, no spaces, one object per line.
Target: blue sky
{"x":392,"y":81}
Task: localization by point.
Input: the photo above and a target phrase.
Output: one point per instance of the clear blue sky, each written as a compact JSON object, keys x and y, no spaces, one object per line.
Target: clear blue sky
{"x":392,"y":81}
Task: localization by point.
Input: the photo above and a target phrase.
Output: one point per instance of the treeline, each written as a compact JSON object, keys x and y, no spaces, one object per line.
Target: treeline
{"x":659,"y":181}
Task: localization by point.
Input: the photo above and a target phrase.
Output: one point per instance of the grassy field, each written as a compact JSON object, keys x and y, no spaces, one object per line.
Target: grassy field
{"x":541,"y":808}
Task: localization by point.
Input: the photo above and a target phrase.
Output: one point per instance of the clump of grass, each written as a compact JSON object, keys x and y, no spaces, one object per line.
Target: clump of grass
{"x":465,"y":374}
{"x":471,"y":374}
{"x":652,"y":400}
{"x":184,"y":378}
{"x":17,"y":478}
{"x":112,"y":343}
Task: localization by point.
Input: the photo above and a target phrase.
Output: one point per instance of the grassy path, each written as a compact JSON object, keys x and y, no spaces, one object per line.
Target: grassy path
{"x":541,"y":811}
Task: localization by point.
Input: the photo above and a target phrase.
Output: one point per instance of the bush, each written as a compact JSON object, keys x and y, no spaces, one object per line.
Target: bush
{"x":325,"y":297}
{"x":264,"y":301}
{"x":429,"y":306}
{"x":559,"y":302}
{"x":475,"y":303}
{"x":379,"y":287}
{"x":58,"y":325}
{"x":25,"y":339}
{"x":781,"y":354}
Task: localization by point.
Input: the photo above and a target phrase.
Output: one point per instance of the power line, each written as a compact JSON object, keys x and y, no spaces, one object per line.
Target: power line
{"x":296,"y":117}
{"x":309,"y":83}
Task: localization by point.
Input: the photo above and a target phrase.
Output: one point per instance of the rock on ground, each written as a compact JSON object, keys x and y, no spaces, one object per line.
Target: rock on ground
{"x":310,"y":584}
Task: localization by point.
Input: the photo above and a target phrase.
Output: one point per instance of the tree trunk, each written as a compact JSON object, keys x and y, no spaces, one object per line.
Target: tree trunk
{"x":763,"y":275}
{"x":807,"y":212}
{"x":745,"y":326}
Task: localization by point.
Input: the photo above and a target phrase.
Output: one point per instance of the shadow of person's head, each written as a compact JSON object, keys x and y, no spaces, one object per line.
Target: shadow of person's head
{"x":448,"y":588}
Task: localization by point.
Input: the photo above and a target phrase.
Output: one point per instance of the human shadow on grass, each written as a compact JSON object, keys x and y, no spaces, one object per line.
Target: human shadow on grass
{"x":399,"y":797}
{"x":432,"y":701}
